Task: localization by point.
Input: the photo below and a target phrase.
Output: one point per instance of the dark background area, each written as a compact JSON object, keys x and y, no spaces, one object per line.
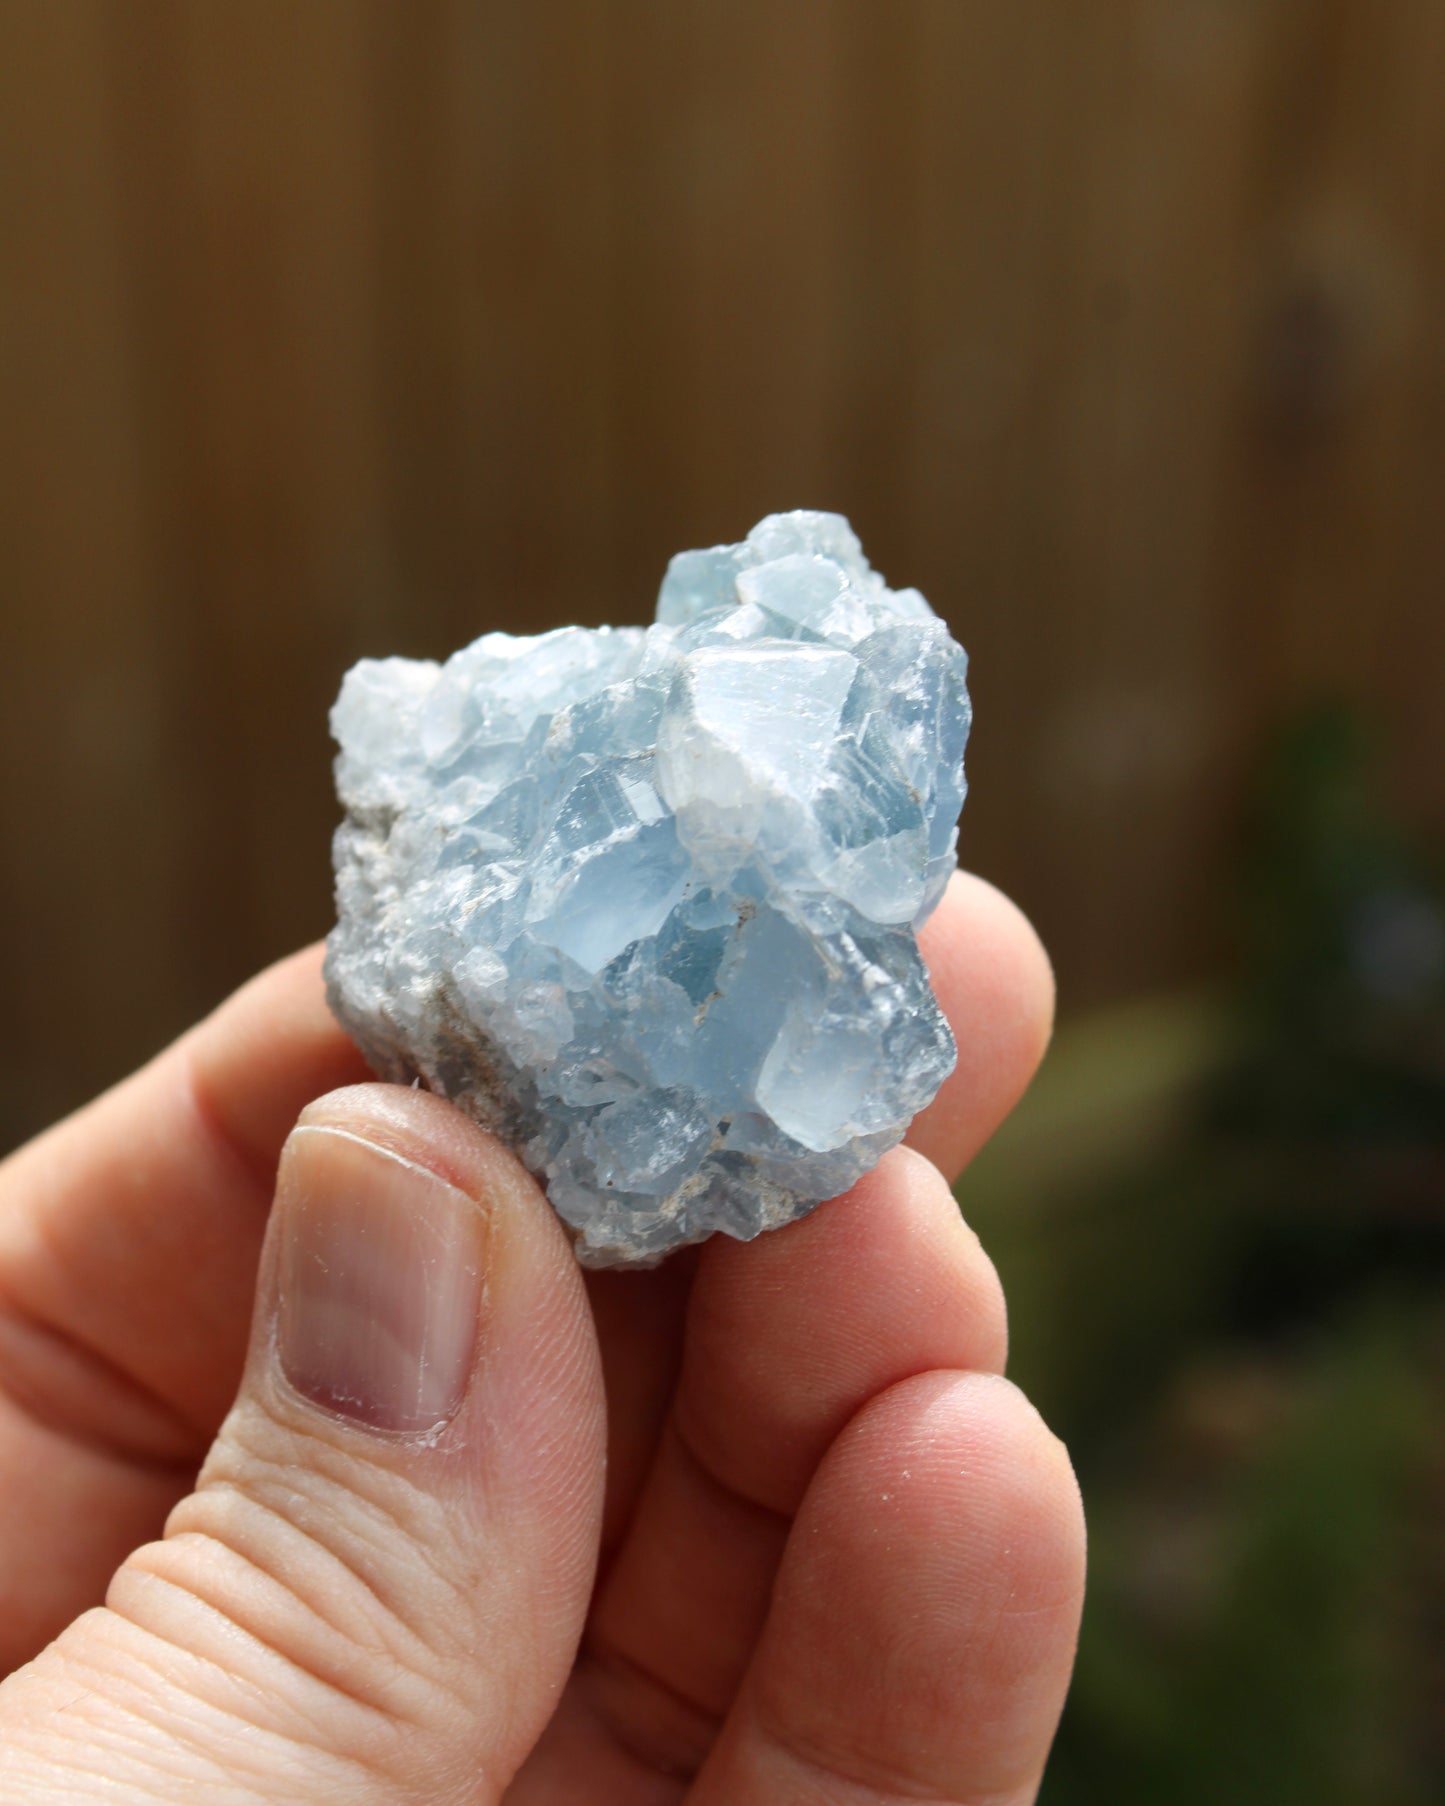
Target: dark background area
{"x":334,"y":328}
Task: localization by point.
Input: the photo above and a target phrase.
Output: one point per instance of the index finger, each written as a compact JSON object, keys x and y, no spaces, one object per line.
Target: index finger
{"x":130,"y":1232}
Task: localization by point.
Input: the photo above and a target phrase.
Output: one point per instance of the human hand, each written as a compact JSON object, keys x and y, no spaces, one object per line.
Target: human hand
{"x":840,"y":1559}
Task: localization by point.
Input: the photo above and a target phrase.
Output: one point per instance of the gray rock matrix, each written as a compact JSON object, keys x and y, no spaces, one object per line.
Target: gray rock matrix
{"x":644,"y":902}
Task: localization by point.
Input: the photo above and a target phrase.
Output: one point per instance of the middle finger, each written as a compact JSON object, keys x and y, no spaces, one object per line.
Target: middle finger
{"x":787,"y":1338}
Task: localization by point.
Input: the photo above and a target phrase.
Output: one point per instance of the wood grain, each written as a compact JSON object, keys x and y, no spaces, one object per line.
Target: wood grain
{"x":355,"y":327}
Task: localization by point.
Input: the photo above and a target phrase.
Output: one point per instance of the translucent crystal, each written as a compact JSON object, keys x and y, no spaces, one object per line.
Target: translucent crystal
{"x":645,"y":902}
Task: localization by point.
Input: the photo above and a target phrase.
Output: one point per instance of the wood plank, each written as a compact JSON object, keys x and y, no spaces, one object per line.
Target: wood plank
{"x":91,"y":846}
{"x":247,"y":171}
{"x":355,"y":328}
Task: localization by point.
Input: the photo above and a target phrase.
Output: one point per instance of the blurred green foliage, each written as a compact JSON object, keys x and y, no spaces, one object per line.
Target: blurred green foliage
{"x":1243,"y":1342}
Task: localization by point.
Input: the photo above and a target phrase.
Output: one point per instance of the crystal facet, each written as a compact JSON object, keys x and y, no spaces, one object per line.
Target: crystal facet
{"x":645,"y":902}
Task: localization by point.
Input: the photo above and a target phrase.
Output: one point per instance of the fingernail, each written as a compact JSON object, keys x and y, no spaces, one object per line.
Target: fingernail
{"x":380,"y":1274}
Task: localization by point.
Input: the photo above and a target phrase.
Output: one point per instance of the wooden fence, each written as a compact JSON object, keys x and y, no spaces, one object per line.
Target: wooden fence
{"x":332,"y":327}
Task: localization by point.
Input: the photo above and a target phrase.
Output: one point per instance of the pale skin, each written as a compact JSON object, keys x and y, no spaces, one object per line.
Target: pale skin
{"x":763,"y":1525}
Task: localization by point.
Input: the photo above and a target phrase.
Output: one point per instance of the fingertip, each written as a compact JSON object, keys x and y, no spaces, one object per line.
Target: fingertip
{"x":994,"y":1458}
{"x":421,"y":1127}
{"x":426,"y":1130}
{"x":995,"y":983}
{"x":925,"y":1620}
{"x":974,"y":1450}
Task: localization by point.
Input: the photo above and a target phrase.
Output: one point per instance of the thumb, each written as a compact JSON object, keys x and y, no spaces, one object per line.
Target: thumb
{"x":376,"y":1589}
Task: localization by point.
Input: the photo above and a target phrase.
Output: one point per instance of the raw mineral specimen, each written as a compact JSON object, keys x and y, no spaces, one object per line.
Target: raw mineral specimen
{"x":644,"y":902}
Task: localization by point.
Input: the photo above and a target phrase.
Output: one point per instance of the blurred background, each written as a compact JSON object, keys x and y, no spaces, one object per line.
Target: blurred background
{"x":344,"y":327}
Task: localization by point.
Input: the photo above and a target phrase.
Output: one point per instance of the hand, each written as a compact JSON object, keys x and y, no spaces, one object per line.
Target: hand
{"x":840,"y":1559}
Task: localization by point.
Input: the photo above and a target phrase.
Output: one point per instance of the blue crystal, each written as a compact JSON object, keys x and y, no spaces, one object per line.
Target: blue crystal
{"x":645,"y":902}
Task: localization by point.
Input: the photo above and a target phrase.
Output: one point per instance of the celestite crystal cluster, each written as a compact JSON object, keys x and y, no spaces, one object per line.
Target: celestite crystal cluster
{"x":644,"y":902}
